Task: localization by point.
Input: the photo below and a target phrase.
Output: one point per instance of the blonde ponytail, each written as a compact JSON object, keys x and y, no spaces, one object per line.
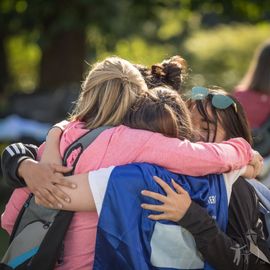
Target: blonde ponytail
{"x":109,"y":90}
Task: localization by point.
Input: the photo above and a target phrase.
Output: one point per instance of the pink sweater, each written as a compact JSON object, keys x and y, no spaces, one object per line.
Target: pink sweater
{"x":122,"y":145}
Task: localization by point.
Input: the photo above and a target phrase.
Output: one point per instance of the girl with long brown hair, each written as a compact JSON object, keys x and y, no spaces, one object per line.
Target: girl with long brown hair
{"x":217,"y":115}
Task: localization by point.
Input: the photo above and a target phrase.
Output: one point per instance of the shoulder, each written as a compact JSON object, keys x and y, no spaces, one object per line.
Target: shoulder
{"x":244,"y":198}
{"x":132,"y":133}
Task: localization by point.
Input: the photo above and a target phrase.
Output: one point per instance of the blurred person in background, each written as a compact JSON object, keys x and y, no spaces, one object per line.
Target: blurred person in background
{"x":253,"y":93}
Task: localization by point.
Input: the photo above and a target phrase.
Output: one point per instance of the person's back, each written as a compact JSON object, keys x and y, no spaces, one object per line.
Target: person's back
{"x":256,"y":104}
{"x":132,"y":241}
{"x":121,"y":145}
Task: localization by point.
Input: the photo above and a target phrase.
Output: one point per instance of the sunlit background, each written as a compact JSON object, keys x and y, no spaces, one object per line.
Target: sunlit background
{"x":47,"y":46}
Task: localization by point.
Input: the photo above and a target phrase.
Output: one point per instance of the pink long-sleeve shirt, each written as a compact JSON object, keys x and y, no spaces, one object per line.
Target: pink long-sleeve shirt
{"x":122,"y":145}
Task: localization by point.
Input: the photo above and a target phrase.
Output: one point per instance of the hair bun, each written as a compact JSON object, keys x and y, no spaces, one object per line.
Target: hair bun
{"x":171,"y":72}
{"x":157,"y":70}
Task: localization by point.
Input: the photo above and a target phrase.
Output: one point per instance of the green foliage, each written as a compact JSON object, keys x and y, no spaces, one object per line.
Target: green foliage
{"x":51,"y":17}
{"x":23,"y":62}
{"x":144,"y":31}
{"x":135,"y":49}
{"x":221,"y":56}
{"x":4,"y":238}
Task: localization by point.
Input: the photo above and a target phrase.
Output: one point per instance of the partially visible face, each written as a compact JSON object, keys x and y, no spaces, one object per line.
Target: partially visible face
{"x":200,"y":125}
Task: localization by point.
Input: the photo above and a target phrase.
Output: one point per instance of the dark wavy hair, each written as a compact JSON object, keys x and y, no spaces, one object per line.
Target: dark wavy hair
{"x":161,"y":110}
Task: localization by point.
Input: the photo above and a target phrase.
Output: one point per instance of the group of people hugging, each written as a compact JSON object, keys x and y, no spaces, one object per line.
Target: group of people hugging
{"x":169,"y":184}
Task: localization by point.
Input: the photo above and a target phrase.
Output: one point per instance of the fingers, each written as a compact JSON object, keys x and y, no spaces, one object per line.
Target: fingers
{"x":154,"y":195}
{"x":60,"y":168}
{"x":58,"y":193}
{"x":42,"y":200}
{"x":259,"y":156}
{"x":163,"y":184}
{"x":63,"y":182}
{"x":257,"y":168}
{"x":153,"y":207}
{"x":178,"y":188}
{"x":256,"y":157}
{"x":249,"y":172}
{"x":50,"y":199}
{"x":159,"y":217}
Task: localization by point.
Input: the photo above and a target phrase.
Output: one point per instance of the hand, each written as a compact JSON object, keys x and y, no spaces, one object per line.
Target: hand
{"x":44,"y":179}
{"x":249,"y":173}
{"x":256,"y":163}
{"x":46,"y":204}
{"x":175,"y":204}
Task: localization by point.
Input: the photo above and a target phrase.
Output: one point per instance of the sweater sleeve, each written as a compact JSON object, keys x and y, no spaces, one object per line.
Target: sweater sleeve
{"x":13,"y":207}
{"x":218,"y":249}
{"x":11,"y":158}
{"x":195,"y":159}
{"x":15,"y":153}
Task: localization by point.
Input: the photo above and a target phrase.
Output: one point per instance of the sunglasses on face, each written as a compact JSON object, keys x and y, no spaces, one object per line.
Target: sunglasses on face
{"x":219,"y":101}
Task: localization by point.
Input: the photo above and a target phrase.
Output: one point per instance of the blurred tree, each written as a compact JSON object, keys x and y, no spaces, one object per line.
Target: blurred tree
{"x":227,"y":11}
{"x":221,"y":55}
{"x":4,"y":17}
{"x":3,"y":63}
{"x":60,"y":28}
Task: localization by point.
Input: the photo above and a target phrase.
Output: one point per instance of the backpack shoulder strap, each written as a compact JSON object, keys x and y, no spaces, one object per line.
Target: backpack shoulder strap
{"x":63,"y":217}
{"x":45,"y":257}
{"x":263,"y":207}
{"x":83,"y":142}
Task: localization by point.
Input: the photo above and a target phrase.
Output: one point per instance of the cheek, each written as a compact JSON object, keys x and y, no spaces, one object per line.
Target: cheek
{"x":203,"y":136}
{"x":221,"y":136}
{"x":200,"y":134}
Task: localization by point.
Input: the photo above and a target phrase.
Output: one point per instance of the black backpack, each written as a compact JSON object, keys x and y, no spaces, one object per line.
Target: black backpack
{"x":261,"y":138}
{"x":37,"y":238}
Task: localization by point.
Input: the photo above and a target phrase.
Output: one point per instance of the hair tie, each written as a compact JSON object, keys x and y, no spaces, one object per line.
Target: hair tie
{"x":125,"y":79}
{"x":158,"y":71}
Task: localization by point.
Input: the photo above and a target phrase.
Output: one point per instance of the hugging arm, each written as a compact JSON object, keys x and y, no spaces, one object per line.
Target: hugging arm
{"x":11,"y":158}
{"x":222,"y":251}
{"x":81,"y":197}
{"x":21,"y":169}
{"x":219,"y":249}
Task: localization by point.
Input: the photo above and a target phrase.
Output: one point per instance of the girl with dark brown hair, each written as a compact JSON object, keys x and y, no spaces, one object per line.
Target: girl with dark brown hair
{"x":216,"y":115}
{"x":161,"y":110}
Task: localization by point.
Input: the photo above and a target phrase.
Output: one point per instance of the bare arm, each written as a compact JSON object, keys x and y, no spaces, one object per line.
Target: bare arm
{"x":51,"y":153}
{"x":81,"y":197}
